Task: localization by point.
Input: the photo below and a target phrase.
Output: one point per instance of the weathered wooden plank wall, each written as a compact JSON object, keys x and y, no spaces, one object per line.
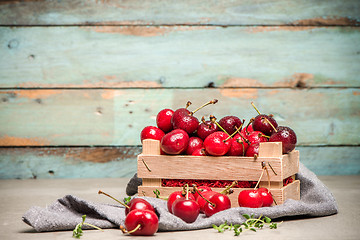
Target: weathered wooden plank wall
{"x":80,"y":79}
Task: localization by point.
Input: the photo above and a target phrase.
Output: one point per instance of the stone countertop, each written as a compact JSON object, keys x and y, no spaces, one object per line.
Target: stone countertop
{"x":17,"y":196}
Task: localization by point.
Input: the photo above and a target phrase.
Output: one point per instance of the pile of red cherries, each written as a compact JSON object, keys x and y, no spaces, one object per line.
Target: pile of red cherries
{"x":180,"y":132}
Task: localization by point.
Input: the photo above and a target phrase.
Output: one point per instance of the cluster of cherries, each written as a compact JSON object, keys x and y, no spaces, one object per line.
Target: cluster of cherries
{"x":141,"y":218}
{"x":188,"y":205}
{"x":180,"y":132}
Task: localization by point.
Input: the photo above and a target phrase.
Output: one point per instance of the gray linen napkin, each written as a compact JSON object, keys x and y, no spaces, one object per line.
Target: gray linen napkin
{"x":316,"y":200}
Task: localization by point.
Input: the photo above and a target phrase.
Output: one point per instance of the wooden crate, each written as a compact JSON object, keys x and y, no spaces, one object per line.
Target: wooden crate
{"x":153,"y":167}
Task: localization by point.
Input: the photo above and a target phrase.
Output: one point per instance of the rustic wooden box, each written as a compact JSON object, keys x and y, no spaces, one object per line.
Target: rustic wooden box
{"x":152,"y":167}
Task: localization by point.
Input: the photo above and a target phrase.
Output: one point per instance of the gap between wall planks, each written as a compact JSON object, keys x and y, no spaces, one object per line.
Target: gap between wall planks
{"x":302,"y":19}
{"x":147,"y":12}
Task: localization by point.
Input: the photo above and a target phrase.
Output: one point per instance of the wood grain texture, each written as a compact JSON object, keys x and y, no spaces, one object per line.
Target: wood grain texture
{"x":207,"y":168}
{"x":116,"y":117}
{"x":88,"y":162}
{"x":74,"y":162}
{"x":259,"y":12}
{"x":179,"y":56}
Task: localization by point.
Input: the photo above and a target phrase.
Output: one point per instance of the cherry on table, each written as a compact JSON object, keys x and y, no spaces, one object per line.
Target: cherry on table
{"x":141,"y":222}
{"x":176,"y":195}
{"x":138,"y":203}
{"x":219,"y":202}
{"x":250,"y":199}
{"x":266,"y":196}
{"x":186,"y":208}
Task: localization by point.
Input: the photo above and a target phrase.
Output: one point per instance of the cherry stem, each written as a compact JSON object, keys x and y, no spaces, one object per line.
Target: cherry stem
{"x":251,"y":120}
{"x":237,"y":131}
{"x":101,"y":192}
{"x":197,"y":190}
{"x":134,"y":230}
{"x":271,"y":124}
{"x":255,"y":108}
{"x":157,"y":194}
{"x":93,"y":226}
{"x":188,"y":104}
{"x":226,"y":190}
{"x":262,"y":173}
{"x":187,"y":191}
{"x":208,"y":103}
{"x":268,"y":176}
{"x":262,"y":135}
{"x":213,"y":119}
{"x":246,"y":140}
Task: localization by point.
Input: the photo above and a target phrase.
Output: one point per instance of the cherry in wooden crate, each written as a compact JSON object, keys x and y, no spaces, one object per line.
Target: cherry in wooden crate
{"x":153,"y":167}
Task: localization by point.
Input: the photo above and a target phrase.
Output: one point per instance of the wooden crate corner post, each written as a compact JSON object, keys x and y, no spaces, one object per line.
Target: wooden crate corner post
{"x":149,"y":147}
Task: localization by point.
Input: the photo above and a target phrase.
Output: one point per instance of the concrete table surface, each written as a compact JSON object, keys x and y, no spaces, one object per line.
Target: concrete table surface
{"x":17,"y":196}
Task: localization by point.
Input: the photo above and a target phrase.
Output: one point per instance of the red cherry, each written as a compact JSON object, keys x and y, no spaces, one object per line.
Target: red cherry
{"x":285,"y":135}
{"x":221,"y":202}
{"x":202,"y":202}
{"x":261,"y":123}
{"x":175,"y":142}
{"x":186,"y":209}
{"x":230,"y":124}
{"x":252,"y":150}
{"x":163,"y":120}
{"x":250,"y":199}
{"x":238,"y":146}
{"x":206,"y":128}
{"x":202,"y":190}
{"x":176,"y":195}
{"x":216,"y":145}
{"x":151,"y":132}
{"x":266,"y":196}
{"x":138,"y":203}
{"x":247,"y":130}
{"x":199,"y":152}
{"x":256,"y":137}
{"x":183,"y":119}
{"x":146,"y":221}
{"x":194,"y":144}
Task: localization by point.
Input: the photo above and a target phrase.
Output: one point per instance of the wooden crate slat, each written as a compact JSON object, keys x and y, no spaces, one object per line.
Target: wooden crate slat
{"x":209,"y":168}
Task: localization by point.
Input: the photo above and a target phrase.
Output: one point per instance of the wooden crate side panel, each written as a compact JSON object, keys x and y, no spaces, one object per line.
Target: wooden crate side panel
{"x":291,"y":163}
{"x":135,"y":12}
{"x":209,"y":168}
{"x":292,"y":191}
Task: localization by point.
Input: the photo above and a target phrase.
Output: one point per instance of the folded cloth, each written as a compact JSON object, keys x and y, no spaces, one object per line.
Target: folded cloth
{"x":316,"y":200}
